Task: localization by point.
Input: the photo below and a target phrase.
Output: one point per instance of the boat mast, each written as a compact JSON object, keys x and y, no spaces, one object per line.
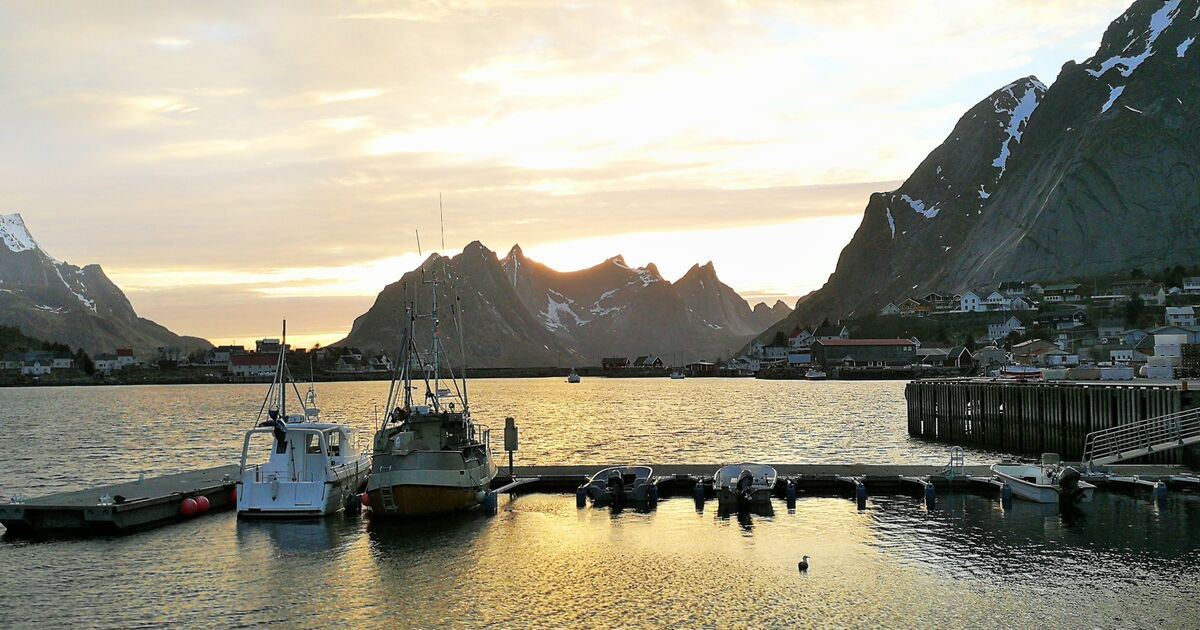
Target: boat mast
{"x":282,"y":379}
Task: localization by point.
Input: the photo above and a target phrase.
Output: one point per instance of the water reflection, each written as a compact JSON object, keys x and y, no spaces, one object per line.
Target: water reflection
{"x":299,"y":535}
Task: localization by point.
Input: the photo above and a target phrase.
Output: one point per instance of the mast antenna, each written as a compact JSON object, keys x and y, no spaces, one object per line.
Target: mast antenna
{"x":442,"y":221}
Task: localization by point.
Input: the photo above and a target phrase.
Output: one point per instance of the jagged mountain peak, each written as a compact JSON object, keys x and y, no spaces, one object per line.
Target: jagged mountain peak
{"x":15,"y":235}
{"x":49,"y":299}
{"x":1083,"y":177}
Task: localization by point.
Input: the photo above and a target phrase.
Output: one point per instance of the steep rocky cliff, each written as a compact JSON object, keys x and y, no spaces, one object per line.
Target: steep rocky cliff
{"x":49,"y":299}
{"x":1097,"y":173}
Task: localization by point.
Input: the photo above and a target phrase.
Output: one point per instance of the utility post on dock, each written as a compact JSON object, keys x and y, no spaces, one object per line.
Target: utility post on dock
{"x":510,"y":442}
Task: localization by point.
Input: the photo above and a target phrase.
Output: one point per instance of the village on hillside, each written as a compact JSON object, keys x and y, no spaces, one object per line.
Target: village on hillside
{"x":1140,"y":326}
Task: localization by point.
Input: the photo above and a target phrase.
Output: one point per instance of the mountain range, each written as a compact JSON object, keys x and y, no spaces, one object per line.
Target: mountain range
{"x":1097,"y":173}
{"x":49,"y":299}
{"x":518,"y":312}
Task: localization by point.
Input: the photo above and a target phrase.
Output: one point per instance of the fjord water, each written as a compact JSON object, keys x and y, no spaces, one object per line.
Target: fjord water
{"x":968,"y":562}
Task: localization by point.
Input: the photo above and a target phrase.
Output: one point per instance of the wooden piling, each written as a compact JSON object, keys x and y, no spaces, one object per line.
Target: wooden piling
{"x":1036,"y":417}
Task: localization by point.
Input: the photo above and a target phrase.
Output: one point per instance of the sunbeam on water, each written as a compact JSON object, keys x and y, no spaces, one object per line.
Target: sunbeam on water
{"x":541,"y":562}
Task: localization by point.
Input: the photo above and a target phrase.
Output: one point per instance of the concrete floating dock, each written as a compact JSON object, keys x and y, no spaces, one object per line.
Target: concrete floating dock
{"x":134,"y":505}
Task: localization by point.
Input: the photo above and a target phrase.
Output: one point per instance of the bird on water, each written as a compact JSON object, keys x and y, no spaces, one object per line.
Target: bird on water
{"x":804,"y":564}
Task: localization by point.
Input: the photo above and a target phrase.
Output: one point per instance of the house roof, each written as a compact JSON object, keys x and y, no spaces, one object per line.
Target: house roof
{"x":1061,"y":287}
{"x":124,"y":352}
{"x":1180,"y":310}
{"x":826,"y":331}
{"x":840,"y":343}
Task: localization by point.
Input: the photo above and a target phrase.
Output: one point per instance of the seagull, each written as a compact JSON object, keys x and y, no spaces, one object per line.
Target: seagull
{"x":804,"y":564}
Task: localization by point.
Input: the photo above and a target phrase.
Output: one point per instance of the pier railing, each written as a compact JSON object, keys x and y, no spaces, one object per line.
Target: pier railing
{"x":1136,"y":439}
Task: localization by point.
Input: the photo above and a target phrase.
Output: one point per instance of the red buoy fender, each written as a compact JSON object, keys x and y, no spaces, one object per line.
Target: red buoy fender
{"x":188,"y":507}
{"x":365,"y":498}
{"x":202,"y":503}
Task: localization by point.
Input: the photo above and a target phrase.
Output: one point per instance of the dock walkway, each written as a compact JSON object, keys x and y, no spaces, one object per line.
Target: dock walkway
{"x":134,"y":504}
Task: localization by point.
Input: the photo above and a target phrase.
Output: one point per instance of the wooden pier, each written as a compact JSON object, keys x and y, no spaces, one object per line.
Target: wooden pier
{"x":1037,"y":417}
{"x":121,"y":507}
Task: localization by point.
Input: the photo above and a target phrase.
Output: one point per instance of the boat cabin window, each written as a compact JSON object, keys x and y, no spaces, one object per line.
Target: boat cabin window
{"x":312,"y":444}
{"x":335,"y":443}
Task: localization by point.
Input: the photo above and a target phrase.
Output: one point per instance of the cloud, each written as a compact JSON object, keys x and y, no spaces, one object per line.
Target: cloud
{"x":189,"y":137}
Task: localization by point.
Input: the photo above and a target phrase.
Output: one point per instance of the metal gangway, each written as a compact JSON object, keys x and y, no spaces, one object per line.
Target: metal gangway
{"x":1152,"y":435}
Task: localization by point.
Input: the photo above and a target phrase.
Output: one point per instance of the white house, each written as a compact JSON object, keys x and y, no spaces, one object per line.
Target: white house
{"x":1021,"y":304}
{"x":125,"y":357}
{"x":1153,"y":295}
{"x":999,"y":331}
{"x":890,"y":309}
{"x":996,"y":302}
{"x":756,"y":348}
{"x":1191,"y":285}
{"x":969,"y":302}
{"x":62,"y":361}
{"x":106,"y":363}
{"x":800,"y":339}
{"x":1181,"y":316}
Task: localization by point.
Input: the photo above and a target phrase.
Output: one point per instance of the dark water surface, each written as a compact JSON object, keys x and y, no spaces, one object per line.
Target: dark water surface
{"x":966,"y":563}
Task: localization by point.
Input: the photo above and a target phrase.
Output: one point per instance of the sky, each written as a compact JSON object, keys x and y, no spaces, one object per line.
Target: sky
{"x":230,"y":164}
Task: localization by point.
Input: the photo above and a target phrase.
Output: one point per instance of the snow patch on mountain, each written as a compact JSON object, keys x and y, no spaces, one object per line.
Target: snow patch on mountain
{"x":1182,"y":49}
{"x":918,"y":206}
{"x":15,"y":235}
{"x":553,"y":315}
{"x":1113,"y":95}
{"x":1126,"y":64}
{"x":891,"y":223}
{"x":1018,"y":116}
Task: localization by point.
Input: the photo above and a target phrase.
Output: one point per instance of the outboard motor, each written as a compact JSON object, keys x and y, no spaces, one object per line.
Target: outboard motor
{"x":744,"y":482}
{"x":616,"y":487}
{"x":1068,"y":485}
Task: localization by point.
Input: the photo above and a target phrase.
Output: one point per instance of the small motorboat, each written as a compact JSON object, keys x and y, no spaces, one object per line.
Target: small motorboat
{"x":744,"y":485}
{"x":619,"y":485}
{"x":1021,"y":373}
{"x":677,"y":375}
{"x":1047,"y":482}
{"x":815,"y":374}
{"x":296,"y":465}
{"x":573,"y":377}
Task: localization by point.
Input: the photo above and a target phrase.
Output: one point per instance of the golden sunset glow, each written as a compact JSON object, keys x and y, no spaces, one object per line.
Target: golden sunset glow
{"x":227,"y":166}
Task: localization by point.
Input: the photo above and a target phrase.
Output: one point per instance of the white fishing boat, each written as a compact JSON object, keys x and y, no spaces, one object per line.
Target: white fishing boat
{"x":573,"y":377}
{"x":815,"y":374}
{"x":304,"y":467}
{"x":1047,"y":482}
{"x":620,"y":485}
{"x":428,"y":458}
{"x":744,"y":485}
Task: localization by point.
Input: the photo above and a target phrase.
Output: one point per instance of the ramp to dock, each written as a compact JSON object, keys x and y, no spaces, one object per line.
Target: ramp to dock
{"x":1137,"y":439}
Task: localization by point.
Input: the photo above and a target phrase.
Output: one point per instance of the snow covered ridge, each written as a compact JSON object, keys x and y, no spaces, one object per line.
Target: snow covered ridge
{"x":1127,"y":61}
{"x":14,"y":233}
{"x":1018,"y":115}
